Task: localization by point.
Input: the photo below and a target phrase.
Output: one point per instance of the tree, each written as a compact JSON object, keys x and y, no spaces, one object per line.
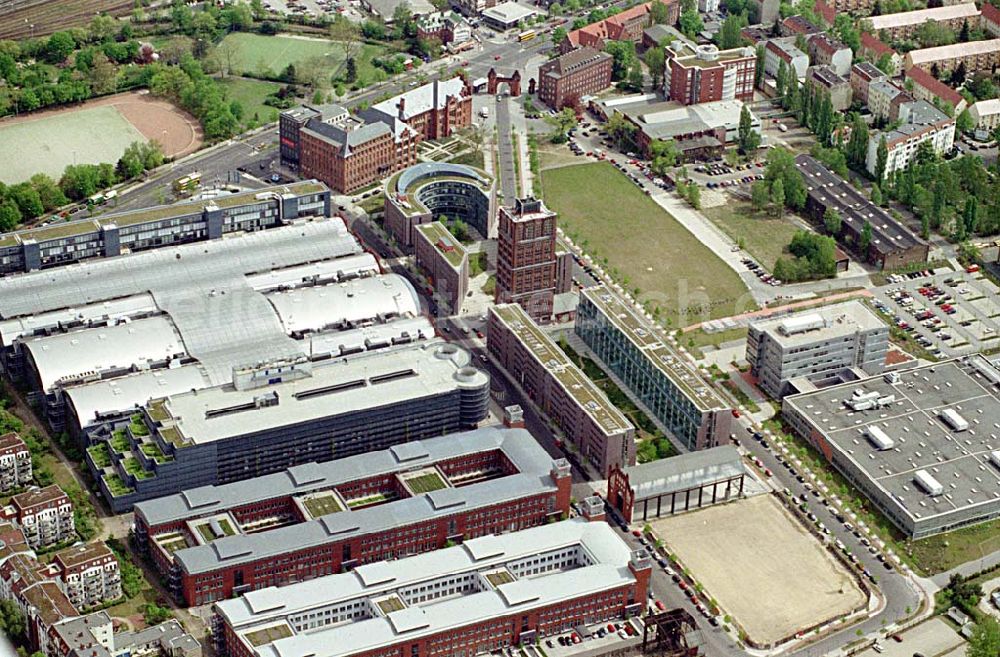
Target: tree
{"x":655,"y":60}
{"x":758,"y":74}
{"x":985,"y":639}
{"x":621,"y":131}
{"x":562,"y":122}
{"x":10,"y":216}
{"x":781,"y":81}
{"x":749,"y":140}
{"x":634,"y":80}
{"x":759,"y":195}
{"x":881,"y":159}
{"x":102,"y":75}
{"x":12,"y":620}
{"x":970,"y":216}
{"x":659,"y":12}
{"x":663,"y":155}
{"x":959,"y":74}
{"x":623,"y":58}
{"x":964,"y":122}
{"x":857,"y":146}
{"x":691,"y":24}
{"x":832,"y":221}
{"x":102,"y":27}
{"x":781,"y":166}
{"x":347,"y":35}
{"x":48,"y":191}
{"x":27,"y":199}
{"x":778,"y":196}
{"x":694,"y":195}
{"x":866,"y":235}
{"x":558,"y":35}
{"x":730,"y":34}
{"x":876,"y":195}
{"x":933,"y":33}
{"x":403,"y":25}
{"x":58,"y":47}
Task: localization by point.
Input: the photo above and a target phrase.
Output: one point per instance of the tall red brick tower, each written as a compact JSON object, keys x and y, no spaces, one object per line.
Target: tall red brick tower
{"x":526,"y":257}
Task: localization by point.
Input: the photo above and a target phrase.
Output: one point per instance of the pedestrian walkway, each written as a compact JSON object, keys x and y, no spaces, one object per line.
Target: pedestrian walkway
{"x":797,"y":305}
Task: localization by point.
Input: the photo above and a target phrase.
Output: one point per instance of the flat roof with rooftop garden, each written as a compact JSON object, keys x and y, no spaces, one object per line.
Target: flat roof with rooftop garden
{"x":336,"y":510}
{"x":923,"y":444}
{"x":577,"y":384}
{"x":442,"y":590}
{"x":645,"y":336}
{"x":444,"y":242}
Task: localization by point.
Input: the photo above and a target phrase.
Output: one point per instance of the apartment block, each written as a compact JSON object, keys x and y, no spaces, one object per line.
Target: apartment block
{"x":593,"y":425}
{"x":824,"y":50}
{"x":905,"y":24}
{"x":526,"y":257}
{"x":44,"y":515}
{"x":88,"y":574}
{"x":784,"y":50}
{"x":487,"y":594}
{"x":976,"y":55}
{"x":825,"y":80}
{"x":921,"y":122}
{"x":927,"y":87}
{"x":434,"y":110}
{"x":152,"y":228}
{"x":630,"y":347}
{"x":863,"y":74}
{"x":322,"y":518}
{"x":986,"y":114}
{"x":15,"y":462}
{"x":875,"y":50}
{"x":444,"y":260}
{"x":573,"y":75}
{"x":991,"y":19}
{"x":93,"y":635}
{"x":885,"y":97}
{"x":703,"y":74}
{"x":816,"y":346}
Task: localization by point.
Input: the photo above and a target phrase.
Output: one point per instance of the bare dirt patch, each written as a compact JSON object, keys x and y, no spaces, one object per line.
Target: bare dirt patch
{"x":762,"y":567}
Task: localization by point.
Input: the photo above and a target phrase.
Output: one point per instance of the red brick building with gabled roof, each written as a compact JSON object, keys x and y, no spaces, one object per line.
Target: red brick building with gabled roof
{"x":624,"y":26}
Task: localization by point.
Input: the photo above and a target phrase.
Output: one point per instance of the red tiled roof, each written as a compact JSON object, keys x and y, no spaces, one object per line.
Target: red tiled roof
{"x":825,"y":11}
{"x":871,"y":42}
{"x":991,"y":13}
{"x":933,"y":85}
{"x":609,"y":28}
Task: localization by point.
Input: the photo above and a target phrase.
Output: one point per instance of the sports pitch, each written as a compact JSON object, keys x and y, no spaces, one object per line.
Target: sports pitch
{"x":254,"y":54}
{"x":47,"y":144}
{"x":762,"y":567}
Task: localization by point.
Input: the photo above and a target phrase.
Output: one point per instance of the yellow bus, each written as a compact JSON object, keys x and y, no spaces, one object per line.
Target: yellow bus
{"x":187,"y":183}
{"x":527,"y":35}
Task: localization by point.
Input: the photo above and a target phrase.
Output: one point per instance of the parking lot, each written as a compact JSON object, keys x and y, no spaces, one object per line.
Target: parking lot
{"x":933,"y":637}
{"x":610,"y":635}
{"x":948,"y":313}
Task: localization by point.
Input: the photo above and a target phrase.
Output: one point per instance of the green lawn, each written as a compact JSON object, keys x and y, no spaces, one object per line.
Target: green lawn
{"x":257,"y":56}
{"x":251,"y":94}
{"x":761,"y":235}
{"x":425,"y":483}
{"x":642,"y":245}
{"x":322,"y":505}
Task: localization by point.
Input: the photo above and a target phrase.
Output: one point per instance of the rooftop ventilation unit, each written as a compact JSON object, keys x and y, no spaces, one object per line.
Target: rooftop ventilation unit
{"x":926,"y":481}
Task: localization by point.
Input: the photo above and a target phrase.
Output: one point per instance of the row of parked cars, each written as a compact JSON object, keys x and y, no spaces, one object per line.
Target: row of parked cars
{"x":678,"y":578}
{"x":760,"y":272}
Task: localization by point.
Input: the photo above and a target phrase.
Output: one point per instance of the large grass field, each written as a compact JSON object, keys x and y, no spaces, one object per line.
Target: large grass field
{"x":251,"y":94}
{"x":254,"y":54}
{"x":760,"y":234}
{"x":47,"y":144}
{"x":644,"y":247}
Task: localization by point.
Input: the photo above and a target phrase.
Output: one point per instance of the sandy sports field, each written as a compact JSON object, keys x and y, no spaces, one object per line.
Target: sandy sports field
{"x":94,"y":132}
{"x":761,"y":566}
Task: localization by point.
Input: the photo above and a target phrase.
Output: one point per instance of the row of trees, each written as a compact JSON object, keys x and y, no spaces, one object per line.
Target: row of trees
{"x":29,"y":200}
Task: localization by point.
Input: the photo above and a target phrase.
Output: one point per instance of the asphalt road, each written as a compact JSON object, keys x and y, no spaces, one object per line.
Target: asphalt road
{"x":899,"y":592}
{"x":505,"y":148}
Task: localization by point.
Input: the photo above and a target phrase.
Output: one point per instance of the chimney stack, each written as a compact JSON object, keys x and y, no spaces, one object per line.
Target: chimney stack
{"x":402,"y":108}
